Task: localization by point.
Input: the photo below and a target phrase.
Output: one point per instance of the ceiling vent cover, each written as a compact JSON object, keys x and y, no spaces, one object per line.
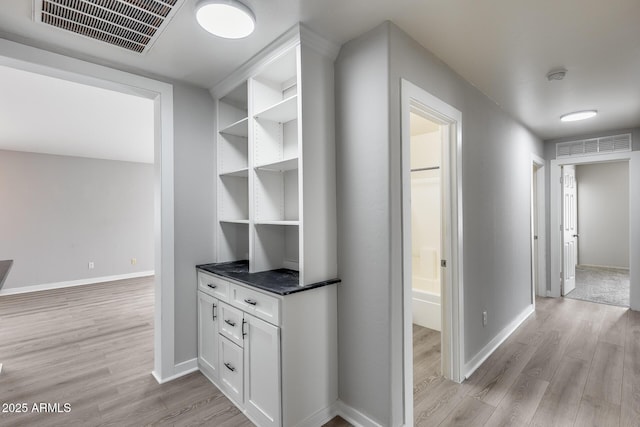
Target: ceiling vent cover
{"x":594,"y":146}
{"x":130,"y":24}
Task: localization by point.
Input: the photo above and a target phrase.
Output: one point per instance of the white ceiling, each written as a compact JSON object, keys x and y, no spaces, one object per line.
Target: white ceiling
{"x":503,"y":47}
{"x":41,"y":114}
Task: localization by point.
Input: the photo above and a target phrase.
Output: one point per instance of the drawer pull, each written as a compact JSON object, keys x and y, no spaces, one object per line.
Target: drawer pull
{"x":251,"y":301}
{"x":230,"y":366}
{"x":230,"y":323}
{"x":213,"y":311}
{"x":212,"y":286}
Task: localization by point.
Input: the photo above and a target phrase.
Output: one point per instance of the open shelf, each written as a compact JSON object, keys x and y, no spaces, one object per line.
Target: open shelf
{"x":240,"y":173}
{"x":296,"y":223}
{"x":239,"y":128}
{"x":235,"y":221}
{"x":282,"y":112}
{"x":281,"y":166}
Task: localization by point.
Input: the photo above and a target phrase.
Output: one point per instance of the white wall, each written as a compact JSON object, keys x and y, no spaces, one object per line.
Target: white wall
{"x":59,"y":213}
{"x":425,"y":212}
{"x":603,"y":214}
{"x":496,"y":171}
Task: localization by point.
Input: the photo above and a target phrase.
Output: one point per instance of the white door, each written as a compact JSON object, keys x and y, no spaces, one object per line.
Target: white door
{"x":569,"y":228}
{"x":208,"y":333}
{"x":262,"y":372}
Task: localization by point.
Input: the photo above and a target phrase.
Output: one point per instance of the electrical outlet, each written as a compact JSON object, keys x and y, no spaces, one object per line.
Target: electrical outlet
{"x":484,"y":318}
{"x":134,"y":261}
{"x":91,"y":265}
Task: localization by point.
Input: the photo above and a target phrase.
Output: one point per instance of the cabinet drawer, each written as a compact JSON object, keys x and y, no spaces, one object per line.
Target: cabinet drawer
{"x":214,"y":286}
{"x":232,"y":370}
{"x":260,"y":305}
{"x":232,"y":323}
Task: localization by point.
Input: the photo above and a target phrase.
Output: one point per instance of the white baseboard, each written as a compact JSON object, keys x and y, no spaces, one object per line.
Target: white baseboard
{"x":426,"y":310}
{"x":321,"y":417}
{"x":81,"y":282}
{"x":353,"y":416}
{"x":487,"y":350}
{"x":180,"y":370}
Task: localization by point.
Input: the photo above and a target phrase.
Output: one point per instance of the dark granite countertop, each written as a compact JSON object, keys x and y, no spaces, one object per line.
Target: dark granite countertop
{"x":281,"y":281}
{"x":5,"y":266}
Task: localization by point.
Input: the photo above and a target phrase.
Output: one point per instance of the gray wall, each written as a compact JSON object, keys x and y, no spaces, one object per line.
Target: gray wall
{"x":496,"y":169}
{"x":362,"y":156}
{"x":603,"y":214}
{"x":194,"y":192}
{"x":58,"y":213}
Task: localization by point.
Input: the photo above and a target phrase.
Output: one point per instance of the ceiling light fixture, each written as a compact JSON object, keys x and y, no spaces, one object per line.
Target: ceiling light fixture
{"x":226,"y":18}
{"x":578,"y":115}
{"x":557,"y":74}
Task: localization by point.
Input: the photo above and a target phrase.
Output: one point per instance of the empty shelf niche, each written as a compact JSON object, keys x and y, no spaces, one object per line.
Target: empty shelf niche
{"x":276,"y":246}
{"x":233,"y":244}
{"x":233,"y":198}
{"x":276,"y":195}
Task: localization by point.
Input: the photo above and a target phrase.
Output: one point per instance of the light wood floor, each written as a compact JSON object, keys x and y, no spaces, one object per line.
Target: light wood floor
{"x":573,"y":363}
{"x":92,"y":346}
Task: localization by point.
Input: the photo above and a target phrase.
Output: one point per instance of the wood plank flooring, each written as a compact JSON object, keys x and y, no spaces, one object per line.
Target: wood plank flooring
{"x":572,"y":363}
{"x":92,"y":347}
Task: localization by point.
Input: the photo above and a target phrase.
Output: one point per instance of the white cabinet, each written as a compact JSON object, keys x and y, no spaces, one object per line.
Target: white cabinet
{"x":208,"y":333}
{"x":277,"y":359}
{"x":262,"y":372}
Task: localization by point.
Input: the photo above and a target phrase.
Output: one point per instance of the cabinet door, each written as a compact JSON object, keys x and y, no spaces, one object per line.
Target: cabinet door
{"x":262,"y":372}
{"x":208,"y":333}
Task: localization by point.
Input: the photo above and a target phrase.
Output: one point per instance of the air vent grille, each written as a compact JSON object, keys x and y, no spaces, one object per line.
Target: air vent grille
{"x":130,"y":24}
{"x":594,"y":146}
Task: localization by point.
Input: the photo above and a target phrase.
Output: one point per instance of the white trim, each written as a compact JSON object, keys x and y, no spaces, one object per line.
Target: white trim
{"x":71,"y":283}
{"x":51,"y":64}
{"x":488,"y":349}
{"x":318,"y":418}
{"x":413,"y":97}
{"x":539,"y":276}
{"x":181,"y":369}
{"x":634,"y":212}
{"x":353,"y":416}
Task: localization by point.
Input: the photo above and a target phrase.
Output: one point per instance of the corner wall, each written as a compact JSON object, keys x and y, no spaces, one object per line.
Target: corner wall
{"x":496,"y":175}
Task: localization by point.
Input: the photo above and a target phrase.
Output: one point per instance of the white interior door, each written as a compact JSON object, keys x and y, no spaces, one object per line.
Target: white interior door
{"x":569,"y":228}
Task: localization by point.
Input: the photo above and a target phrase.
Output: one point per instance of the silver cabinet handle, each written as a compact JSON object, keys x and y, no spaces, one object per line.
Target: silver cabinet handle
{"x":213,"y":311}
{"x":244,"y":334}
{"x":230,"y":323}
{"x":212,"y":286}
{"x":251,"y":301}
{"x":230,"y":366}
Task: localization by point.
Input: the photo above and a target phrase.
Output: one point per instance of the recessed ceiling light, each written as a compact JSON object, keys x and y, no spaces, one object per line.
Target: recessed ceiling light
{"x":226,"y":18}
{"x":578,"y":115}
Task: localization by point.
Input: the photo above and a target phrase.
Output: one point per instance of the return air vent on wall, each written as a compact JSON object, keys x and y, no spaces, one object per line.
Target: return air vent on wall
{"x":130,"y":24}
{"x":594,"y":146}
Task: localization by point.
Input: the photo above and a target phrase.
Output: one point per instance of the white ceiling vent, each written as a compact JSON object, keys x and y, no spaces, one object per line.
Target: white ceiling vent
{"x":594,"y":146}
{"x":130,"y":24}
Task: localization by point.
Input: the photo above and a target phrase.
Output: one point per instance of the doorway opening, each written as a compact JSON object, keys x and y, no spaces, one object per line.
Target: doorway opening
{"x":563,"y":260}
{"x":432,"y":241}
{"x":596,"y":232}
{"x":46,"y":63}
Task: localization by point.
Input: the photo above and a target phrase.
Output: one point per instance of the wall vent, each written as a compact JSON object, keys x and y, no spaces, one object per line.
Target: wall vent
{"x":594,"y":146}
{"x":130,"y":24}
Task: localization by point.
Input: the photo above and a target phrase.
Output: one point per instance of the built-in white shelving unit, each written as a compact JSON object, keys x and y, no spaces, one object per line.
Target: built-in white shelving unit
{"x":276,"y":165}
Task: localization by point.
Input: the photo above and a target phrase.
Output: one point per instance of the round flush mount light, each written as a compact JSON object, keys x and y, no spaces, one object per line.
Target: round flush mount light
{"x":557,"y":74}
{"x":578,"y":115}
{"x":229,"y":19}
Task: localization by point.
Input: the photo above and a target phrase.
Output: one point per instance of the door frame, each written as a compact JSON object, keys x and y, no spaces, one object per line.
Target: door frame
{"x":51,"y":64}
{"x":538,"y":212}
{"x":412,"y":98}
{"x":633,"y":157}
